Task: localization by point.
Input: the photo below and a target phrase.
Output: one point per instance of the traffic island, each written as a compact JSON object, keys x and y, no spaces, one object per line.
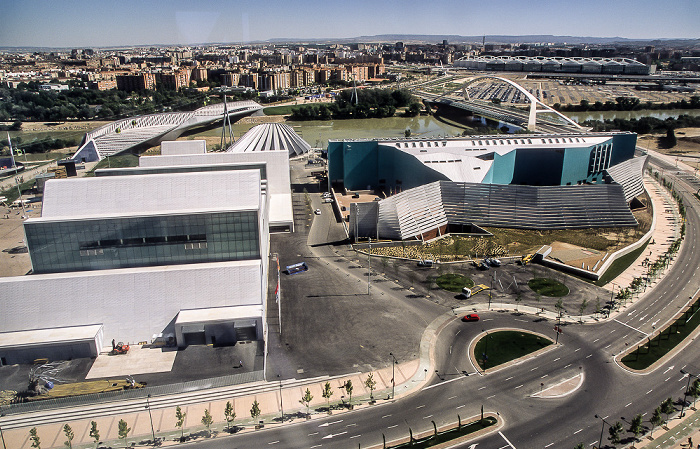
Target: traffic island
{"x":500,"y":347}
{"x":548,"y":287}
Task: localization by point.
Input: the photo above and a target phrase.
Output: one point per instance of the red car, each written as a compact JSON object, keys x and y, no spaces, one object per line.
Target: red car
{"x":471,"y":317}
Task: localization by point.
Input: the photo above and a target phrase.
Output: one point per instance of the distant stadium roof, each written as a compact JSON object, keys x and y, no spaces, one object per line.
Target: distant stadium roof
{"x":271,"y":136}
{"x":131,"y":132}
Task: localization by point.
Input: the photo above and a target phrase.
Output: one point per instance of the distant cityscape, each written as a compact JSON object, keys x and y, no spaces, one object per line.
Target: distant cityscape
{"x":291,"y":67}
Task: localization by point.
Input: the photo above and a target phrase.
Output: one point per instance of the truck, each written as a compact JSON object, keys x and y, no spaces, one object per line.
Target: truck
{"x":297,"y":268}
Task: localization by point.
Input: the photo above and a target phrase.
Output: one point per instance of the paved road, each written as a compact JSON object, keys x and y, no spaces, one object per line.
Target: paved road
{"x":607,"y":389}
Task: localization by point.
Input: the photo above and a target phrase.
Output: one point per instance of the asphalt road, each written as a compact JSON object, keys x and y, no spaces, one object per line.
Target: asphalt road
{"x":607,"y":390}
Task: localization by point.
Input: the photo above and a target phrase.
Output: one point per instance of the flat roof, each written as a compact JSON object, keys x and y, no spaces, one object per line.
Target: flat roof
{"x":217,"y":314}
{"x":49,"y":336}
{"x":153,"y":194}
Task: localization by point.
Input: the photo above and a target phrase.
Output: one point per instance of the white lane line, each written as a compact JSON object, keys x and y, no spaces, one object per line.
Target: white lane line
{"x":351,"y":425}
{"x":633,"y":328}
{"x":420,"y":406}
{"x":356,"y":436}
{"x":544,"y":376}
{"x":429,"y":416}
{"x":509,"y":378}
{"x":273,"y":442}
{"x":550,"y":444}
{"x":313,"y":447}
{"x":596,"y":340}
{"x":579,"y":430}
{"x":533,"y":369}
{"x":556,"y":359}
{"x":608,"y":346}
{"x":668,"y":378}
{"x":577,"y":350}
{"x":482,"y":388}
{"x":613,"y":331}
{"x":391,"y":427}
{"x":385,"y":416}
{"x":452,"y":397}
{"x":493,"y":396}
{"x":628,"y":405}
{"x":519,"y":386}
{"x":464,"y":405}
{"x":312,"y":434}
{"x":504,"y":437}
{"x":649,"y":391}
{"x":567,"y":366}
{"x":589,"y":355}
{"x":442,"y":383}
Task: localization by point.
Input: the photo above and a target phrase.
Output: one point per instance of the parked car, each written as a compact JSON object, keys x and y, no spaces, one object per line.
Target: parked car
{"x":317,"y":211}
{"x":483,"y":266}
{"x":425,"y":263}
{"x":494,"y":262}
{"x":471,"y":317}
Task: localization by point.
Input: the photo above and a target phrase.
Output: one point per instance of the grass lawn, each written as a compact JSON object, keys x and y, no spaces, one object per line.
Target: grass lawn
{"x":453,"y":282}
{"x":620,"y":265}
{"x":279,"y":110}
{"x":548,"y":287}
{"x":503,"y":346}
{"x":645,"y":355}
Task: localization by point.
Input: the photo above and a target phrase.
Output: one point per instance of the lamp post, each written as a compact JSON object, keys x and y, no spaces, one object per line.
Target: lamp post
{"x":369,"y":266}
{"x":685,"y":394}
{"x":393,"y":378}
{"x":281,"y":403}
{"x":600,"y":441}
{"x":148,"y":407}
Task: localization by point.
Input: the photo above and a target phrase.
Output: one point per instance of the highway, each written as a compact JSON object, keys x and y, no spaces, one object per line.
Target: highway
{"x":607,"y":389}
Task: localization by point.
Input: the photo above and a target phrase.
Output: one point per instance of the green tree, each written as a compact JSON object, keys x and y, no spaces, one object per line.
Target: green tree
{"x":255,"y":410}
{"x":207,"y":420}
{"x":69,"y":436}
{"x":407,"y":133}
{"x":615,"y":430}
{"x":636,"y":427}
{"x":580,"y":446}
{"x":348,"y":390}
{"x":371,"y":384}
{"x":667,"y":408}
{"x":229,"y":414}
{"x":327,"y":393}
{"x":180,"y":421}
{"x":582,"y":308}
{"x":560,"y":307}
{"x":94,"y":433}
{"x":123,"y":430}
{"x":306,"y":400}
{"x":656,"y":419}
{"x":694,"y":390}
{"x":36,"y":442}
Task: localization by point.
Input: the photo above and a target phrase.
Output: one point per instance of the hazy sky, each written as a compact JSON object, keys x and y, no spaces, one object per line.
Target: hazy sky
{"x":95,"y":23}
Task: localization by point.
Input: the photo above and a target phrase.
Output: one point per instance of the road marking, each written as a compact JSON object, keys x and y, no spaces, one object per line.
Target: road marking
{"x":311,"y":434}
{"x":356,"y":436}
{"x":567,"y":366}
{"x":464,"y":405}
{"x":312,"y":447}
{"x":608,"y":346}
{"x":628,"y":405}
{"x":429,"y":416}
{"x":579,"y":430}
{"x":452,"y":397}
{"x":668,"y":378}
{"x":633,"y":328}
{"x":351,"y":425}
{"x":391,"y":427}
{"x":519,"y":386}
{"x":596,"y":340}
{"x":577,"y":350}
{"x":522,"y":321}
{"x":533,"y":369}
{"x":649,"y":391}
{"x":442,"y":383}
{"x":668,"y":369}
{"x":613,"y":331}
{"x":482,"y":388}
{"x":420,"y":406}
{"x":385,"y":416}
{"x":329,"y":423}
{"x":273,"y":442}
{"x":589,"y":355}
{"x":493,"y":396}
{"x":556,"y":359}
{"x":504,"y":437}
{"x":333,"y":435}
{"x":509,"y":378}
{"x":550,"y":444}
{"x":544,"y":376}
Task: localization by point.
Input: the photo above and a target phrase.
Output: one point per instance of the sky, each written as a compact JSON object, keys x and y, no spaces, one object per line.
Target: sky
{"x":101,"y":23}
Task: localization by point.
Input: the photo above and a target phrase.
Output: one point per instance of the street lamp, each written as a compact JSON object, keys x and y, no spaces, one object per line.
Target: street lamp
{"x":685,"y":394}
{"x":281,"y":404}
{"x":393,"y":378}
{"x":148,"y":407}
{"x":600,"y":441}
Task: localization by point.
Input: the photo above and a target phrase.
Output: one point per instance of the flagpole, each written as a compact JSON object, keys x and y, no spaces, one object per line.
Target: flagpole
{"x":12,"y":153}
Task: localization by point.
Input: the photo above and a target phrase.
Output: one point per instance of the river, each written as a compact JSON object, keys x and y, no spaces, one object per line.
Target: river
{"x":662,"y":114}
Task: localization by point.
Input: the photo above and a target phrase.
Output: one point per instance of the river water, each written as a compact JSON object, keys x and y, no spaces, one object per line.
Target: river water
{"x":662,"y":114}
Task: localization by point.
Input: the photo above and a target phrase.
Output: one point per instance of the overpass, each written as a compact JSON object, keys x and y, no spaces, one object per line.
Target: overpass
{"x":527,"y":119}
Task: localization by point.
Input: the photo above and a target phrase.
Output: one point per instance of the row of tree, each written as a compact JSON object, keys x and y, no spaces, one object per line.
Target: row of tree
{"x":38,"y":146}
{"x":658,"y":418}
{"x":628,"y":104}
{"x":207,"y":420}
{"x":644,"y":125}
{"x":363,"y":103}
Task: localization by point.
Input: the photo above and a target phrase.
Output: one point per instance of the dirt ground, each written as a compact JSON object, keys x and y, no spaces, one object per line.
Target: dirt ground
{"x":687,"y":148}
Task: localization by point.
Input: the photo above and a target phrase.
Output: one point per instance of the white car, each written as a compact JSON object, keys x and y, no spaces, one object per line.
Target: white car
{"x":317,"y":211}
